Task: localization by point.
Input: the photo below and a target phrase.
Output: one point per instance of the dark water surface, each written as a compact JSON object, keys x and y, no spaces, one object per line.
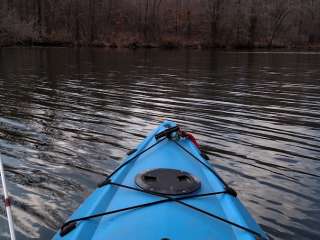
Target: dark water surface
{"x":68,"y":116}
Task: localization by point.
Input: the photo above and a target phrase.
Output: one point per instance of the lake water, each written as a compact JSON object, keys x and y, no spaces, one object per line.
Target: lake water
{"x":68,"y":116}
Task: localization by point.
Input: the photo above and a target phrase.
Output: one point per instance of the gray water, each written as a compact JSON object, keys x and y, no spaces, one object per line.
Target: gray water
{"x":68,"y":116}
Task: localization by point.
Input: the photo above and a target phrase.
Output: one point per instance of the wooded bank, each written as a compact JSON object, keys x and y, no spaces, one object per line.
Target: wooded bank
{"x":166,"y":23}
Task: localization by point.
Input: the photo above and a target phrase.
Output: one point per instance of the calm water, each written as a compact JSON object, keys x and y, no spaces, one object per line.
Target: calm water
{"x":68,"y":116}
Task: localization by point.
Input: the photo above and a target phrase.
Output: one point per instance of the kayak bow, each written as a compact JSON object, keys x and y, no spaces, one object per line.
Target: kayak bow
{"x":164,"y":190}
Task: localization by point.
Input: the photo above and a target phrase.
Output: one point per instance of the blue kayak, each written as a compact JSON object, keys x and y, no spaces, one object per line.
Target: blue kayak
{"x":164,"y":190}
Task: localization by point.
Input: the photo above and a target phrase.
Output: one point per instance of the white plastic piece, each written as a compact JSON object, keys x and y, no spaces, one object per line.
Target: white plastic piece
{"x":6,"y":199}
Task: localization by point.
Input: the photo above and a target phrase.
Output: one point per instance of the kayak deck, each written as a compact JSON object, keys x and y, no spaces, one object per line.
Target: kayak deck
{"x":168,"y":220}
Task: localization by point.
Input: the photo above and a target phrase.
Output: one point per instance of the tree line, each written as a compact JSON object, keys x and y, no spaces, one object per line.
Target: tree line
{"x":168,"y":23}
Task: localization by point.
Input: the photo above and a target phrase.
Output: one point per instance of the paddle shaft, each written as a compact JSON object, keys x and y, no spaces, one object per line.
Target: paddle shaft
{"x":7,"y":201}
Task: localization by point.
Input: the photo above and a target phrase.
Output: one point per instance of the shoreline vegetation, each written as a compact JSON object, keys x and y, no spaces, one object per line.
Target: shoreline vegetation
{"x":160,"y":45}
{"x":166,"y":24}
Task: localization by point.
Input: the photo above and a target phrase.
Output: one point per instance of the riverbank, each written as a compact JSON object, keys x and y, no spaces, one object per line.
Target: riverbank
{"x":159,"y":45}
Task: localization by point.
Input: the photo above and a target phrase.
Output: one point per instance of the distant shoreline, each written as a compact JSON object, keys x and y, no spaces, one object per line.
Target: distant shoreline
{"x":165,"y":46}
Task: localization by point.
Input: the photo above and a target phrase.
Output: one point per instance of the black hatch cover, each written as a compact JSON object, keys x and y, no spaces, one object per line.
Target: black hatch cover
{"x":168,"y":181}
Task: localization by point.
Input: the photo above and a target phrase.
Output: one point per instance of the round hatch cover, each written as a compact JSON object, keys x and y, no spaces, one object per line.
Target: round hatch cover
{"x":167,"y":181}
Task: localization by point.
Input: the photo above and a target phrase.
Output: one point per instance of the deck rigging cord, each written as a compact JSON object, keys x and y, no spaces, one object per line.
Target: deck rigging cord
{"x":133,"y":158}
{"x":70,"y":225}
{"x":166,"y":134}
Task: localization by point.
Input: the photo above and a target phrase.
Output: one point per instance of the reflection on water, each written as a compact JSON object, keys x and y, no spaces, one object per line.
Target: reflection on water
{"x":68,"y":116}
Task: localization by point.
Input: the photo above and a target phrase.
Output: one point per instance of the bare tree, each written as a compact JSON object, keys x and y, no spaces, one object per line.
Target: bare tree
{"x":278,"y":13}
{"x":92,"y":20}
{"x":253,"y":20}
{"x":218,"y":22}
{"x":39,"y":17}
{"x":214,"y":14}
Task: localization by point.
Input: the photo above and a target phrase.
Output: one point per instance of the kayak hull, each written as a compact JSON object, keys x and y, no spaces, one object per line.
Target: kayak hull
{"x":166,"y":220}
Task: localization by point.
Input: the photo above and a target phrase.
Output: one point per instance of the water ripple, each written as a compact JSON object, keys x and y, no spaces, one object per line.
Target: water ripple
{"x":67,"y":117}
